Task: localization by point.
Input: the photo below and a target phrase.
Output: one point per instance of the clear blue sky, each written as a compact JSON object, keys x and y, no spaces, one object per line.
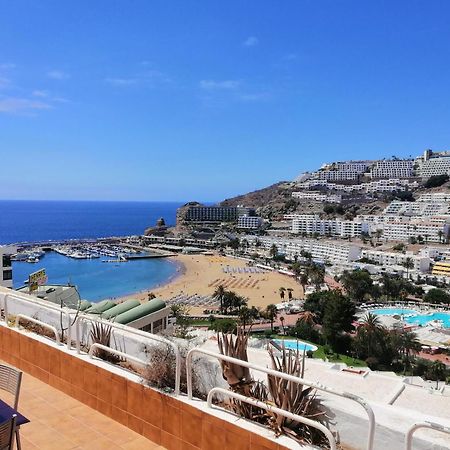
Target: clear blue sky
{"x":181,"y":100}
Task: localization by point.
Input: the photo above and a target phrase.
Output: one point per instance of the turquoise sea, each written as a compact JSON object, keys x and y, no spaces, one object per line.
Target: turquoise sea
{"x":31,"y":221}
{"x":97,"y":280}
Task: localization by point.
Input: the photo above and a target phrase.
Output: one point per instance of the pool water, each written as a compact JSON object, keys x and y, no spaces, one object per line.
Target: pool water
{"x":423,"y":319}
{"x":392,"y":311}
{"x":414,"y":317}
{"x":295,"y":345}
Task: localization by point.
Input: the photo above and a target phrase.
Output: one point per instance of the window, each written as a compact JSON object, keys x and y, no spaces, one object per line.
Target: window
{"x":7,"y":275}
{"x":6,"y":260}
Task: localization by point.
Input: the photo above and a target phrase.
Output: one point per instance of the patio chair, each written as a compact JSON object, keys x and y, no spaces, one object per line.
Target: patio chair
{"x":7,"y":431}
{"x":10,"y":381}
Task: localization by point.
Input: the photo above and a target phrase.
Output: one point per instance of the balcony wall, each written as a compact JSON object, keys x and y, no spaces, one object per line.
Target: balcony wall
{"x":164,"y":419}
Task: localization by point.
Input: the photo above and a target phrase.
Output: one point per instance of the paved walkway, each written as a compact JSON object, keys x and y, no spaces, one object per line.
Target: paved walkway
{"x":60,"y":422}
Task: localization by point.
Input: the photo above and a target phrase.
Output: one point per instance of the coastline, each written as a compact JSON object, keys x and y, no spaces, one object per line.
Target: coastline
{"x":201,"y":274}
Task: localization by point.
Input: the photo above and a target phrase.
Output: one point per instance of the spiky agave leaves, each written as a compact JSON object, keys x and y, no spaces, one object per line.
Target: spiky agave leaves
{"x":238,"y":377}
{"x":236,"y":347}
{"x":293,"y":396}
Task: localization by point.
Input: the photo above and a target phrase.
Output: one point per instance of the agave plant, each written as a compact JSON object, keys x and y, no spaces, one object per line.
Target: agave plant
{"x":238,"y":377}
{"x":293,"y":397}
{"x":101,"y":333}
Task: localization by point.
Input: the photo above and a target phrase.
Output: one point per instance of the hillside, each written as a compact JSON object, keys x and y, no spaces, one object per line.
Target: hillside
{"x":276,"y":200}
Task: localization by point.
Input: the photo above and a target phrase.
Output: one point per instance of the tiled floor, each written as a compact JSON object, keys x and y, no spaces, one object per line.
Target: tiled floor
{"x":61,"y":422}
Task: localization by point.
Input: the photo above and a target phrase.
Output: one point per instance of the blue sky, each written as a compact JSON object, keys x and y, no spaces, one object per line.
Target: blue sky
{"x":183,"y":100}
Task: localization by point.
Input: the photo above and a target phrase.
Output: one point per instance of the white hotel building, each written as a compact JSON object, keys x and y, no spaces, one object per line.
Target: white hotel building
{"x":317,"y":196}
{"x":313,"y":224}
{"x":420,"y":263}
{"x":326,"y":251}
{"x":393,"y":168}
{"x":433,"y":163}
{"x":246,"y":222}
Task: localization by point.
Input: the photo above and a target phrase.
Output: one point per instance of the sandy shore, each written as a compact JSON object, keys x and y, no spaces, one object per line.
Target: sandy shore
{"x":201,"y":274}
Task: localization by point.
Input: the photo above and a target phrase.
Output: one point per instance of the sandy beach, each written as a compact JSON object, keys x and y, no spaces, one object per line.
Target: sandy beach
{"x":201,"y":274}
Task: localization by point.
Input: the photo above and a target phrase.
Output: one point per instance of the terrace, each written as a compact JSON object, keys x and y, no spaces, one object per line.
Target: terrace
{"x":74,"y":400}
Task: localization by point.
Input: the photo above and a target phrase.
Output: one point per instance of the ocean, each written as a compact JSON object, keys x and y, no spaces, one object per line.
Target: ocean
{"x":31,"y":221}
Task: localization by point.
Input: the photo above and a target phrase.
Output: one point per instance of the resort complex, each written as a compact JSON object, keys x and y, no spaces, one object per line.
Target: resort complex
{"x":224,"y":225}
{"x":273,"y":324}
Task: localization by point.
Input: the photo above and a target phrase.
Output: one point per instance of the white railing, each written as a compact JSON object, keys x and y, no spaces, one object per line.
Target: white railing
{"x":141,"y":334}
{"x":274,"y":409}
{"x":275,"y":373}
{"x":114,"y":352}
{"x":45,"y":305}
{"x":39,"y":322}
{"x":416,"y":426}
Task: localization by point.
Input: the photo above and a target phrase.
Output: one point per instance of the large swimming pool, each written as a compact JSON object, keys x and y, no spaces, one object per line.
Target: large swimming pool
{"x":423,"y":319}
{"x":393,"y":311}
{"x":414,"y":317}
{"x":295,"y":345}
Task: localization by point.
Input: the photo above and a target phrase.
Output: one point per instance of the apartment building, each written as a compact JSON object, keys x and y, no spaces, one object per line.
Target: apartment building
{"x":393,"y":168}
{"x":313,"y":224}
{"x":433,"y":163}
{"x":433,"y":197}
{"x":325,"y":251}
{"x":249,"y":222}
{"x":216,"y":213}
{"x":441,"y":268}
{"x":6,"y":279}
{"x":420,"y":263}
{"x":432,"y":229}
{"x":418,"y":208}
{"x":317,"y":196}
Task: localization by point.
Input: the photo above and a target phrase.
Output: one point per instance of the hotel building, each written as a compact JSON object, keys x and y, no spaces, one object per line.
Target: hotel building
{"x":249,"y":222}
{"x":393,"y":168}
{"x":317,"y":196}
{"x":420,"y":263}
{"x":6,"y":279}
{"x":332,"y":252}
{"x":433,"y":163}
{"x":313,"y":224}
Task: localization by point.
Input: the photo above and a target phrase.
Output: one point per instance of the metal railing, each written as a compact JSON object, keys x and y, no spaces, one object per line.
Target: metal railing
{"x":114,"y":352}
{"x":39,"y":322}
{"x":416,"y":426}
{"x":141,"y":334}
{"x":274,"y":409}
{"x":47,"y":306}
{"x":275,"y":373}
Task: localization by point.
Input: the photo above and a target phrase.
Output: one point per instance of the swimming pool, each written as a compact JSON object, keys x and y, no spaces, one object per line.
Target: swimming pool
{"x":414,"y":317}
{"x":393,"y":311}
{"x":423,"y":319}
{"x":295,"y":345}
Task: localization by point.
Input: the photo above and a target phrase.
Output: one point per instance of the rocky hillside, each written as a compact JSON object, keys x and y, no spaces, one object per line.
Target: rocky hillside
{"x":275,"y":200}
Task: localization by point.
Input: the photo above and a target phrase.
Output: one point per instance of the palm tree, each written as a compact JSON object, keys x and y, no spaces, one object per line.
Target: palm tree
{"x":371,"y":328}
{"x":409,"y":345}
{"x":282,"y":291}
{"x":317,"y":275}
{"x":409,"y":264}
{"x":307,"y":317}
{"x":282,"y":323}
{"x":273,"y":251}
{"x":219,"y":294}
{"x":271,"y":312}
{"x":303,"y":281}
{"x":437,"y":370}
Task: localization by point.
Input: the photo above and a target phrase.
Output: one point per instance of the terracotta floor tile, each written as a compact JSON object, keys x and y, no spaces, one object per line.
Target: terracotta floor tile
{"x":59,"y":422}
